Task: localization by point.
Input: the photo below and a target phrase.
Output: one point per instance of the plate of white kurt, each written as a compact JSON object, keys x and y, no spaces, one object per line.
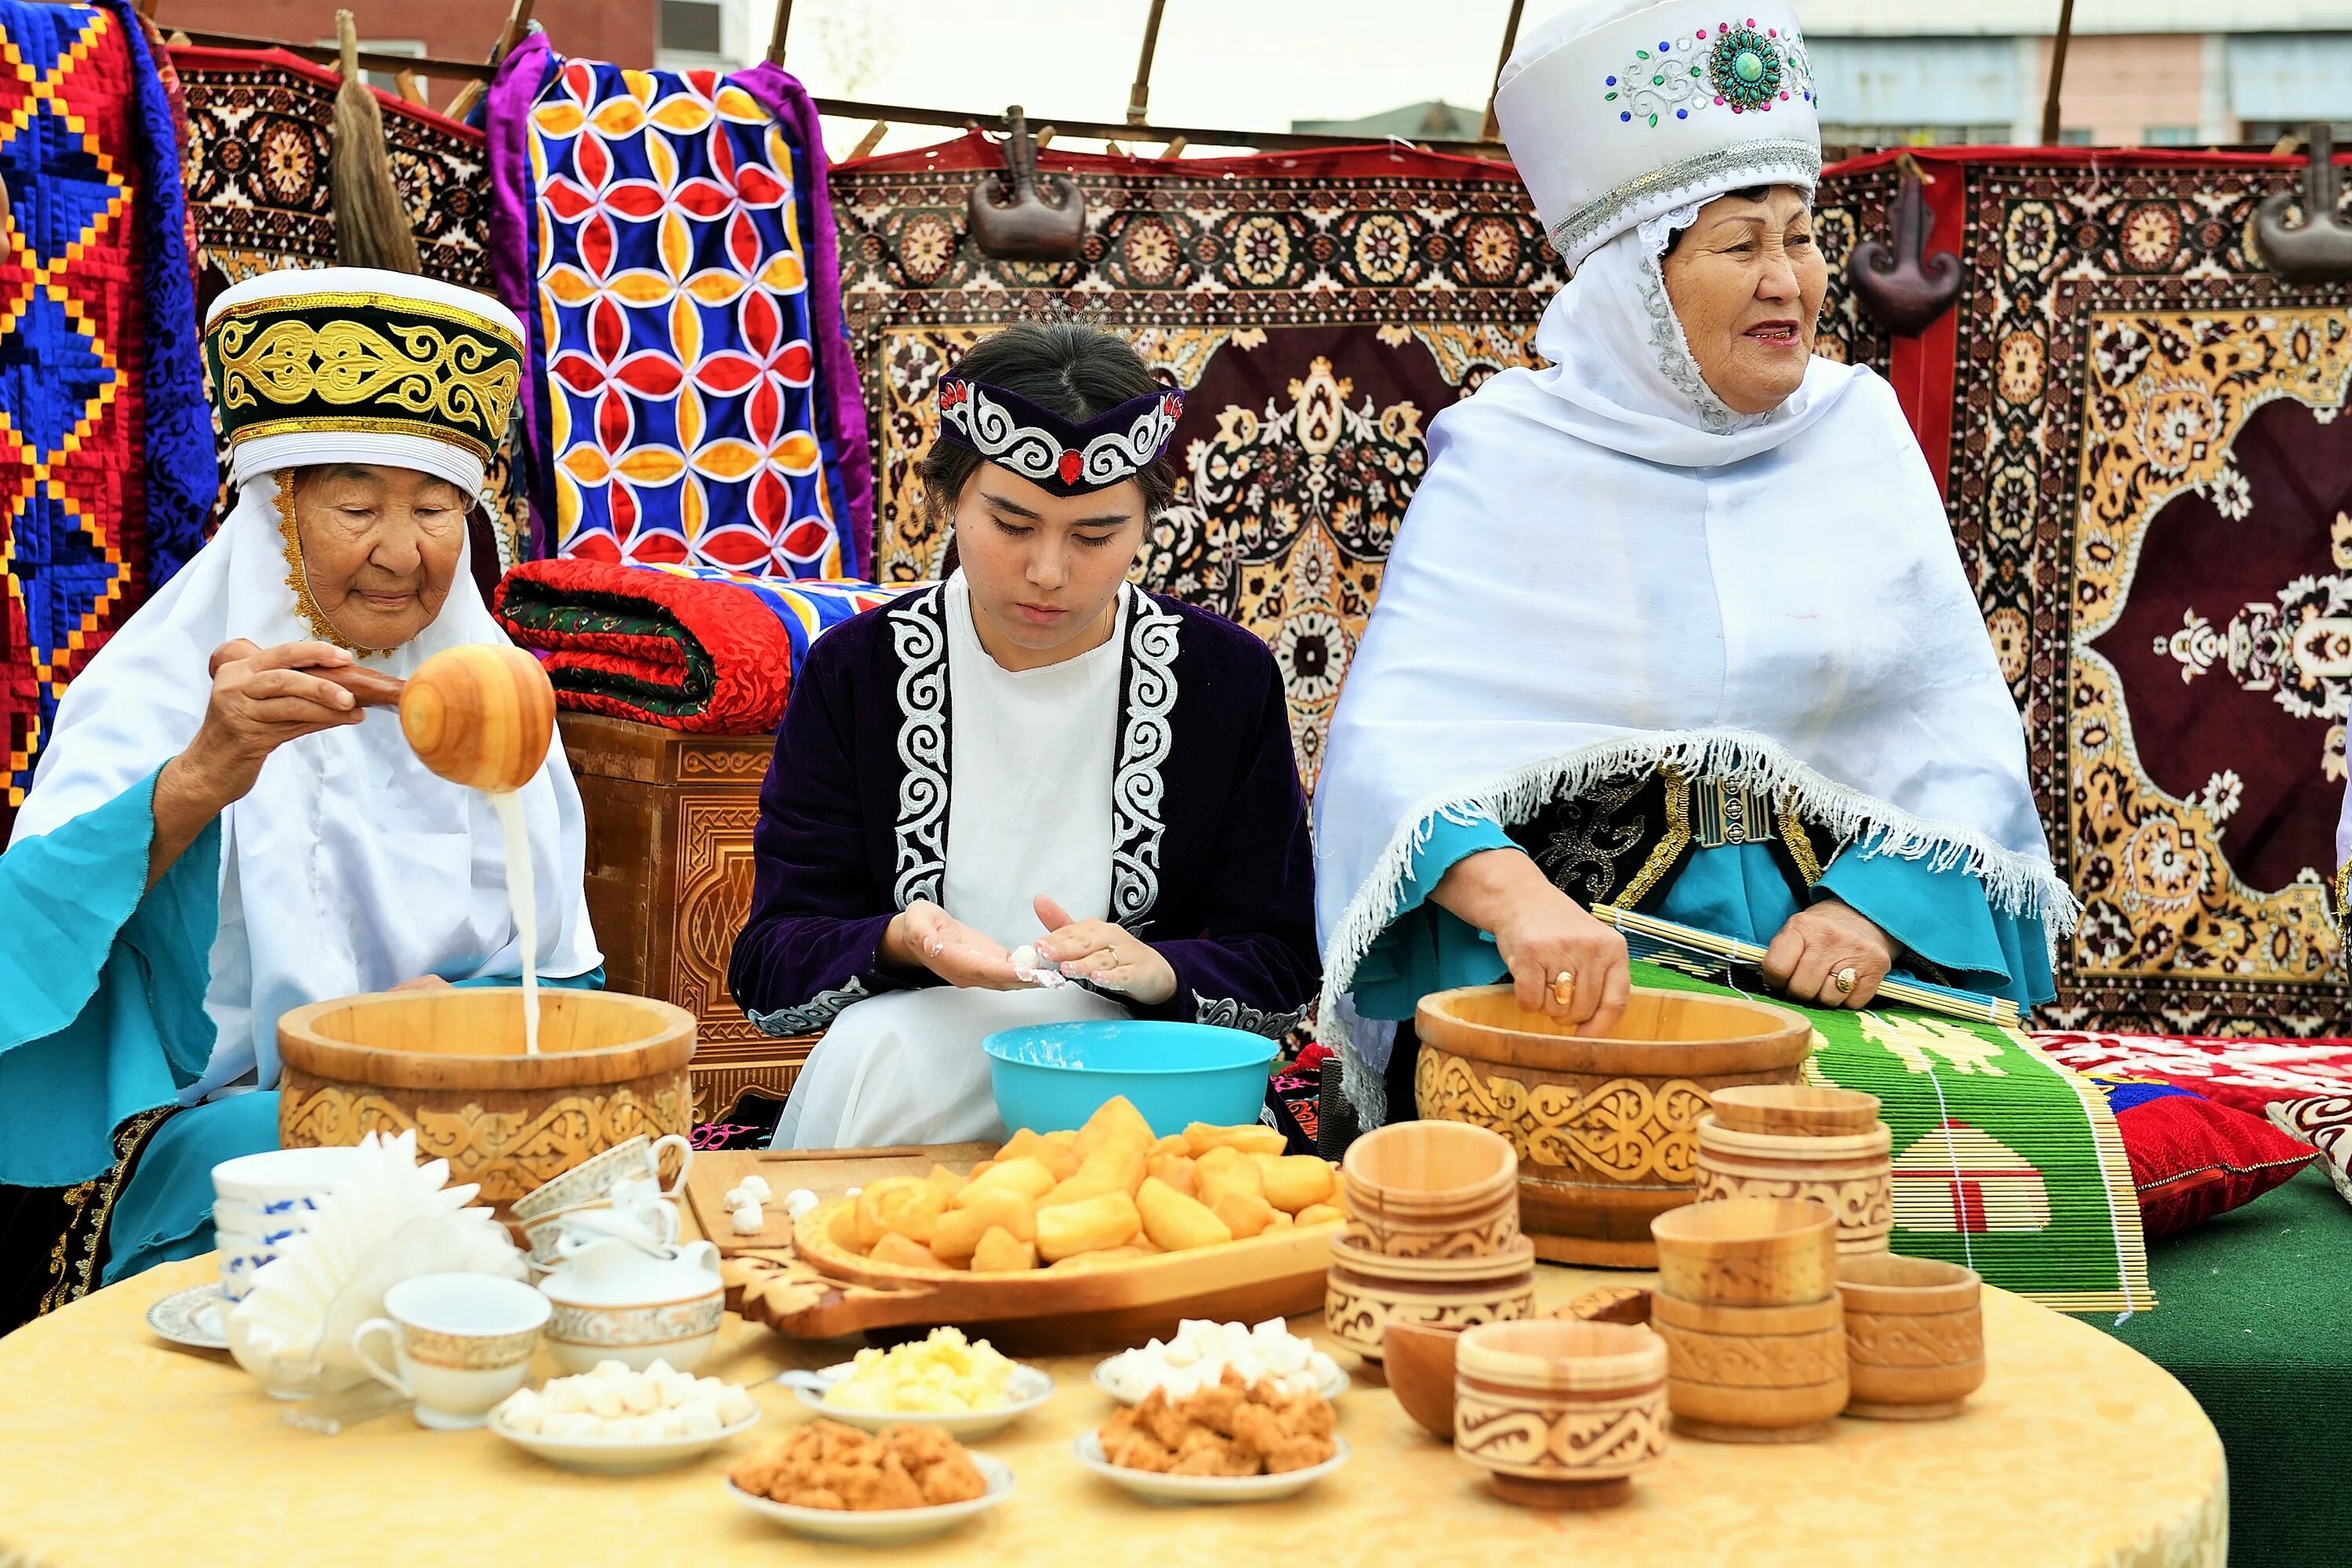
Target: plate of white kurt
{"x":1201,"y":1352}
{"x":613,"y":1421}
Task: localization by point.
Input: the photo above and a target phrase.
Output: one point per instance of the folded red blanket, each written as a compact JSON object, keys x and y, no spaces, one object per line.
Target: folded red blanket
{"x":687,"y":649}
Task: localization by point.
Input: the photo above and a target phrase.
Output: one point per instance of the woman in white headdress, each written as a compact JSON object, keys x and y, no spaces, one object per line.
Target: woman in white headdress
{"x":1675,"y":622}
{"x":217,"y":831}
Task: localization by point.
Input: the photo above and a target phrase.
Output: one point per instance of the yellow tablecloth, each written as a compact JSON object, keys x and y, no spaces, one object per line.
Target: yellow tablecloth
{"x":125,"y":1452}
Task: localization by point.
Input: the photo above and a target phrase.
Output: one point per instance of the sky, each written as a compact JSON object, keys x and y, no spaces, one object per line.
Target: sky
{"x":1247,"y":64}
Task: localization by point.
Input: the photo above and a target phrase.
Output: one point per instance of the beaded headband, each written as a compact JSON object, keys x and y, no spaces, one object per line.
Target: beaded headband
{"x":1067,"y":458}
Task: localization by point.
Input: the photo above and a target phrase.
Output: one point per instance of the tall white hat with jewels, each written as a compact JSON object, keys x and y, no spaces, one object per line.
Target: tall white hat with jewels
{"x":1621,"y":110}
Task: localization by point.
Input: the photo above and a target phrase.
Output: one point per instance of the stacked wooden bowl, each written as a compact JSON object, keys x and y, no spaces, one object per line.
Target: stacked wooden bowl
{"x":1747,"y":1303}
{"x":1606,"y":1129}
{"x":1796,"y":1140}
{"x":1914,"y":1336}
{"x":1433,"y":1235}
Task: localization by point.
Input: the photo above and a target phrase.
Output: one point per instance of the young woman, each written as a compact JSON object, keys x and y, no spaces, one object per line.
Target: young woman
{"x":1032,"y":760}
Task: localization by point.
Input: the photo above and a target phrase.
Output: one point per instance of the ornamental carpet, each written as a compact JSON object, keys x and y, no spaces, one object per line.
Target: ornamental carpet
{"x":2136,"y":428}
{"x":686,"y":647}
{"x":2004,"y":1160}
{"x":666,"y":237}
{"x":1318,"y":309}
{"x":2257,"y":1324}
{"x":105,"y":436}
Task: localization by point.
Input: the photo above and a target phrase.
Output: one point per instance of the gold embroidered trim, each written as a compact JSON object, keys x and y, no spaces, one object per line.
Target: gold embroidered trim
{"x":1799,"y":839}
{"x":446,"y":379}
{"x":1669,"y":847}
{"x":298,"y":577}
{"x":94,"y":1201}
{"x":2344,"y":899}
{"x":392,"y":304}
{"x":423,"y":430}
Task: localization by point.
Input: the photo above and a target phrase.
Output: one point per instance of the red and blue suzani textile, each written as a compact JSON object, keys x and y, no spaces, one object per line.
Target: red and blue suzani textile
{"x":668,"y":238}
{"x":106,"y":453}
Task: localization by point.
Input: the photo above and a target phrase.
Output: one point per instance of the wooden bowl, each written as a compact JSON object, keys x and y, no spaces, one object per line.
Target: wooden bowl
{"x":451,"y":1064}
{"x":1914,"y":1336}
{"x":1472,"y":1234}
{"x":1419,"y":1361}
{"x":1752,"y":1374}
{"x":1506,"y":1262}
{"x":1438,"y":1168}
{"x":1359,"y":1303}
{"x":1610,"y":1304}
{"x":1797,"y":1109}
{"x":1849,"y":1171}
{"x":480,"y":715}
{"x":1561,"y":1414}
{"x":1606,"y":1130}
{"x":1748,"y":1252}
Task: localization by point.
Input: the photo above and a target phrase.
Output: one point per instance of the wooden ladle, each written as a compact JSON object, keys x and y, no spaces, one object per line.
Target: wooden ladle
{"x":480,"y":715}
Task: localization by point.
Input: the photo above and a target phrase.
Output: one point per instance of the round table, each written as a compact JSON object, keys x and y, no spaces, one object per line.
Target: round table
{"x":127,"y":1450}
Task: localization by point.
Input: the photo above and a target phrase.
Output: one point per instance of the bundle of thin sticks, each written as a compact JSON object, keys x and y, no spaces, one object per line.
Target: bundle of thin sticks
{"x":370,"y":227}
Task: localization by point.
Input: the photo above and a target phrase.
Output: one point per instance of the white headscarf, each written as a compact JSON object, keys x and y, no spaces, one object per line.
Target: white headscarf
{"x":349,"y":867}
{"x":1608,"y":568}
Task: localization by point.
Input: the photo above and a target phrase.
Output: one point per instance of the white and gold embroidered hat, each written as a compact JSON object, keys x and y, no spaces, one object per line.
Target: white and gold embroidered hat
{"x":1621,"y":110}
{"x":354,"y":364}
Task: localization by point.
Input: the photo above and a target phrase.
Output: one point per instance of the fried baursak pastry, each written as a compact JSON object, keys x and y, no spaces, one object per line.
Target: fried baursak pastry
{"x":1232,"y":1430}
{"x":830,"y":1466}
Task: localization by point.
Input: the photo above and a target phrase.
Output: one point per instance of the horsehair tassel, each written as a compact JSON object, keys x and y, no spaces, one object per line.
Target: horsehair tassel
{"x":371,"y":228}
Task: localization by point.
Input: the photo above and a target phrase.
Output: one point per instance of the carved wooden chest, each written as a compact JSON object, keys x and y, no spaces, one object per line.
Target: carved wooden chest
{"x":670,"y":882}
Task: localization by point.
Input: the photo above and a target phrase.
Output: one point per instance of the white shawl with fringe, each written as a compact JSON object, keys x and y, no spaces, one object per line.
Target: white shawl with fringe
{"x":1606,"y":569}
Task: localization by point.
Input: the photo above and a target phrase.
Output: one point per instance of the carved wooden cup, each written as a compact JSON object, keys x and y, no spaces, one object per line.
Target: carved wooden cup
{"x":1365,"y":1291}
{"x":1561,"y":1414}
{"x":1432,"y":1189}
{"x":480,"y":715}
{"x":1852,"y":1173}
{"x":1752,"y":1374}
{"x":1748,"y":1252}
{"x":1606,"y":1130}
{"x":451,"y":1065}
{"x":1914,"y":1336}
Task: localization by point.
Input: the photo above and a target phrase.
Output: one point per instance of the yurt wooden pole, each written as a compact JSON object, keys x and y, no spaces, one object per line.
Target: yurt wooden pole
{"x":1138,"y":98}
{"x":776,"y":38}
{"x":2057,"y":73}
{"x":1487,"y":130}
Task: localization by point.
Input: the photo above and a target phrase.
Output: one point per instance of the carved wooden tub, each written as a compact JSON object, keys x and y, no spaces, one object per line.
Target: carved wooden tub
{"x":450,"y":1064}
{"x":1607,"y":1129}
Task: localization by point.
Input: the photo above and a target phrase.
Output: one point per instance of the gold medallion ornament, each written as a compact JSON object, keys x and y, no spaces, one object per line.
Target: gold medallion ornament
{"x":363,"y":362}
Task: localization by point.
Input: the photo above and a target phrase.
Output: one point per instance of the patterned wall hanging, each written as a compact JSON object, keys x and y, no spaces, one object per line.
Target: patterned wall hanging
{"x":665,"y":234}
{"x":1319,"y":310}
{"x":106,"y":454}
{"x":2137,"y":431}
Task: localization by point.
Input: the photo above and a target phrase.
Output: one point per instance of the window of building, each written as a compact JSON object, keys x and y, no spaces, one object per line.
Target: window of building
{"x":2168,"y":136}
{"x":690,"y":27}
{"x":384,"y":81}
{"x":1842,"y":135}
{"x":2074,"y":136}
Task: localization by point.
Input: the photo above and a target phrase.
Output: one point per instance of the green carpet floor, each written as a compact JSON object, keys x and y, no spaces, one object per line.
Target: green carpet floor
{"x":2256,"y":1321}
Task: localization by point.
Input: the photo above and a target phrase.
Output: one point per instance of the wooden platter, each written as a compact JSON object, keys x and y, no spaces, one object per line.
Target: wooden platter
{"x":828,"y":1173}
{"x":816,"y":1290}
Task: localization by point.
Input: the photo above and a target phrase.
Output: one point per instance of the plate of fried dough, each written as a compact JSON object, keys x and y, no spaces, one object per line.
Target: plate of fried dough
{"x":1234,"y":1442}
{"x":833,"y":1483}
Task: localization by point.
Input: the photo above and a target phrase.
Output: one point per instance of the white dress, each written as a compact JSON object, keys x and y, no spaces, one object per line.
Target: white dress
{"x":1030,"y":754}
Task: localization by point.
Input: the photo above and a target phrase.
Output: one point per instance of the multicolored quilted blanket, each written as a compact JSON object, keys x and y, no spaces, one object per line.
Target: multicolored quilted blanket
{"x":669,"y":238}
{"x":2245,"y":1074}
{"x":106,"y":454}
{"x":2004,"y":1160}
{"x":686,"y":647}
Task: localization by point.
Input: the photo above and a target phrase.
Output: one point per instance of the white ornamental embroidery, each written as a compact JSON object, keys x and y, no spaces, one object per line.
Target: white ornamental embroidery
{"x":811,"y":1016}
{"x":918,"y":634}
{"x":996,"y":433}
{"x":1226,"y":1013}
{"x":1139,"y":793}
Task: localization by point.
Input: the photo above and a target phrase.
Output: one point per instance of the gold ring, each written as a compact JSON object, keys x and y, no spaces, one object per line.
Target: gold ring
{"x":1845,"y":979}
{"x":1563,"y":987}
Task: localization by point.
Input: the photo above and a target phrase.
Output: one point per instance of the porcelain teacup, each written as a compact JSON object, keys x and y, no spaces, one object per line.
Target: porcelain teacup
{"x":634,"y":1209}
{"x":637,"y":1158}
{"x":461,"y":1342}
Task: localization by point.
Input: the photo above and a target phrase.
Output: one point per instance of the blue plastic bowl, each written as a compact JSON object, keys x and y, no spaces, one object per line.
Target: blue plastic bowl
{"x":1051,"y":1077}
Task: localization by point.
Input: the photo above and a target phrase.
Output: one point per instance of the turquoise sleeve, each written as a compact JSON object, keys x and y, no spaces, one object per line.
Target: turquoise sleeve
{"x":591,"y":980}
{"x":1947,"y":917}
{"x":102,"y":985}
{"x":1425,"y":948}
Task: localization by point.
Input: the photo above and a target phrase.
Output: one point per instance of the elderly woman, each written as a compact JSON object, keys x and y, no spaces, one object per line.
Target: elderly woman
{"x":217,"y":831}
{"x":1675,"y":622}
{"x":1032,"y":793}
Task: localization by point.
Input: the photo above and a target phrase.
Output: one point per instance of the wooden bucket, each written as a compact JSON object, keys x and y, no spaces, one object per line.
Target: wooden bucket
{"x":450,"y":1064}
{"x":1606,"y":1129}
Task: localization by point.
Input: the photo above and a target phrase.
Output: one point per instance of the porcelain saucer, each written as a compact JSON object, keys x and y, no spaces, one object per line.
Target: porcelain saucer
{"x":195,"y":1317}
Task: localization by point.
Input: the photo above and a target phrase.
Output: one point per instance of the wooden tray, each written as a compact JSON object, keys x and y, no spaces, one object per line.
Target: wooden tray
{"x":816,"y":1290}
{"x":828,"y":1173}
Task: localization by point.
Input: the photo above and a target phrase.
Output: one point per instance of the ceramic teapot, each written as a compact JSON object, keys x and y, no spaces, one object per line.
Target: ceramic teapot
{"x":628,"y":1297}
